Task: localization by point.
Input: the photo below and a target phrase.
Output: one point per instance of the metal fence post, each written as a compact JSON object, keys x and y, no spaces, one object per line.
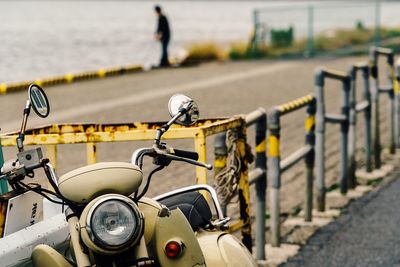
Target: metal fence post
{"x":367,"y":119}
{"x":352,"y":129}
{"x":320,"y":140}
{"x":3,"y":183}
{"x":256,"y":37}
{"x":201,"y":148}
{"x":396,"y":87}
{"x":392,"y":80}
{"x":342,"y":119}
{"x":310,"y":160}
{"x":375,"y":52}
{"x":243,"y":189}
{"x":344,"y":130}
{"x":363,"y":106}
{"x":274,"y":178}
{"x":377,"y":37}
{"x":310,"y":37}
{"x":261,"y":185}
{"x":91,"y":155}
{"x":375,"y":111}
{"x":220,"y":154}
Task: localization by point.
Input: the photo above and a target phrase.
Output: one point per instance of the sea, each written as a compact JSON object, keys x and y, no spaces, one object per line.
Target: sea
{"x":44,"y":38}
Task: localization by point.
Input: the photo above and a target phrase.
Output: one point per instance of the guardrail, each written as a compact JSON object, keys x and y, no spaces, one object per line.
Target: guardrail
{"x":312,"y":152}
{"x":322,"y":118}
{"x":357,"y":107}
{"x":276,"y":166}
{"x":377,"y":89}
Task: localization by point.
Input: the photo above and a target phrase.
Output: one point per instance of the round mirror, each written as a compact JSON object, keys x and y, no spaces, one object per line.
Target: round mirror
{"x":178,"y":101}
{"x":39,"y":101}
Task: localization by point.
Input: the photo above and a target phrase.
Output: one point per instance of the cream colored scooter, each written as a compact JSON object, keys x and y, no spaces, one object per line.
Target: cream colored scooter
{"x":111,"y":223}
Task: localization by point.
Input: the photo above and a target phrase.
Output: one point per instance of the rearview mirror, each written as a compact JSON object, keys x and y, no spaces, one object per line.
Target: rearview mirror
{"x":39,"y":101}
{"x":179,"y":101}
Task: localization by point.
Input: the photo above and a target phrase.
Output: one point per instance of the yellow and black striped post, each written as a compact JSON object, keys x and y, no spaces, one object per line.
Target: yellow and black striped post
{"x":261,"y":184}
{"x":244,"y":190}
{"x":310,"y":160}
{"x":274,"y":174}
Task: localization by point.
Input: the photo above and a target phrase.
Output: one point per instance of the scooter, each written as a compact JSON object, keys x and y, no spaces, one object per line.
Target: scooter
{"x":112,"y":223}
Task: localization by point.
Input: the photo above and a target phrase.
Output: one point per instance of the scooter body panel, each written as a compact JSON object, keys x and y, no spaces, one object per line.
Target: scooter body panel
{"x":170,"y":226}
{"x":224,"y":250}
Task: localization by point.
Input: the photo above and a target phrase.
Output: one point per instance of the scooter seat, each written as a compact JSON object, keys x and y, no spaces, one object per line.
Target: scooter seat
{"x":193,"y":205}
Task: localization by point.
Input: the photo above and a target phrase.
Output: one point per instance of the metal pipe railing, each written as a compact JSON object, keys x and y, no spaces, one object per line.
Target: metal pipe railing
{"x":396,"y":88}
{"x":295,"y":157}
{"x":276,"y":166}
{"x":376,"y":90}
{"x":321,"y":118}
{"x":259,"y":118}
{"x":365,"y":107}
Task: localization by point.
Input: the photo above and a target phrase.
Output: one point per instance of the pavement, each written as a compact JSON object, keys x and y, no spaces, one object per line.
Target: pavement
{"x":367,"y":234}
{"x":219,"y":88}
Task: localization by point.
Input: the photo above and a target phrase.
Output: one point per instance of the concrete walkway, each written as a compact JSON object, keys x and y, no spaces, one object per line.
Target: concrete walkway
{"x":367,"y":235}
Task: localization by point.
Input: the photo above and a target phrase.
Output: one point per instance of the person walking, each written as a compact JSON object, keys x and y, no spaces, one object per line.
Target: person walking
{"x":163,"y":35}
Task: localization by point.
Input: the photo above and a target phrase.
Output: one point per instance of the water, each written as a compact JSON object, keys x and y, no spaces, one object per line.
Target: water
{"x":45,"y":38}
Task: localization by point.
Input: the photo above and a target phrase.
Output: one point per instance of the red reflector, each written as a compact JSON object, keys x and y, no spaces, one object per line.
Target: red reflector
{"x":173,"y":249}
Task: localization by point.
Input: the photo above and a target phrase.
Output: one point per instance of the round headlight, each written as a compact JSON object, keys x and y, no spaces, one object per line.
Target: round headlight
{"x":114,"y":222}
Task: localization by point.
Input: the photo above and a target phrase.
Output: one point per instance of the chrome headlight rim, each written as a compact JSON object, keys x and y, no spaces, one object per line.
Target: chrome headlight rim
{"x":134,"y":236}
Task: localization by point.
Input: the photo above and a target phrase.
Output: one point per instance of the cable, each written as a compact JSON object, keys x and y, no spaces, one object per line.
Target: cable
{"x":146,"y":187}
{"x":41,"y":191}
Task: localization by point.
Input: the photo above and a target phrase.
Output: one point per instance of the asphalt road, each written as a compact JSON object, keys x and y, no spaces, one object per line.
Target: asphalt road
{"x":367,"y":235}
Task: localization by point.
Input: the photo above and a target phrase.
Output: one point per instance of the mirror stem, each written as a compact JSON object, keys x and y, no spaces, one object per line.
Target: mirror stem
{"x":166,"y":126}
{"x":21,"y":136}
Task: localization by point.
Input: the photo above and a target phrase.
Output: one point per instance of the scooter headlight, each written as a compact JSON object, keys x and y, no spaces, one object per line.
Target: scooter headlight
{"x":114,"y":222}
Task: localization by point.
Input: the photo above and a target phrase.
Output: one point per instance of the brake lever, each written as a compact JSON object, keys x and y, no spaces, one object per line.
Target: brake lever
{"x":194,"y":162}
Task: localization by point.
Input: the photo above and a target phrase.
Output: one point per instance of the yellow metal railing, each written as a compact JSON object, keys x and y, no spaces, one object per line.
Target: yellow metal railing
{"x":57,"y":134}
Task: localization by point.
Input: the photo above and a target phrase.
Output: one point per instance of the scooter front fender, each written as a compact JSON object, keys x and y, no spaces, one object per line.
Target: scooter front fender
{"x":46,"y":256}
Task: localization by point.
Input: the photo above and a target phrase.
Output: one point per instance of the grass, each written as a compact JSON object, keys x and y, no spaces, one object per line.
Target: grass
{"x":203,"y":52}
{"x":338,"y":41}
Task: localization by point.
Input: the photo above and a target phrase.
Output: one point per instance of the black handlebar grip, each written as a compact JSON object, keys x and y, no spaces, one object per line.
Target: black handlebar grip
{"x":186,"y":154}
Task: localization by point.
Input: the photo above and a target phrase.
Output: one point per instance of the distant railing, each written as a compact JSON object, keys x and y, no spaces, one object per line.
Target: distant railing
{"x":304,"y":29}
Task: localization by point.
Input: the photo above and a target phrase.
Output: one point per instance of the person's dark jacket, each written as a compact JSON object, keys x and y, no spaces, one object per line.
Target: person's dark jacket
{"x":163,"y":28}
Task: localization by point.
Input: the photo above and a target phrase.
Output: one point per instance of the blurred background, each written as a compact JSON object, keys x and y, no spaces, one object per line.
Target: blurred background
{"x":45,"y":38}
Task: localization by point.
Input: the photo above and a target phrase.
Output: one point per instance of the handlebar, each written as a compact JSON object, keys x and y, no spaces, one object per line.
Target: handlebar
{"x":186,"y":154}
{"x":168,"y":153}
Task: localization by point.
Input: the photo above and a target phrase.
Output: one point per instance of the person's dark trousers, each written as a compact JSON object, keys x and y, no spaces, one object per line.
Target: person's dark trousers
{"x":164,"y":53}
